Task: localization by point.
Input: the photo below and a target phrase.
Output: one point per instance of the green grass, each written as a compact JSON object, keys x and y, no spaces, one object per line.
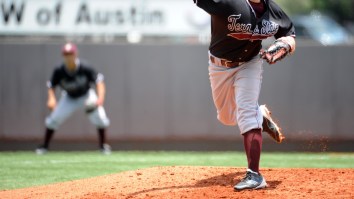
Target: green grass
{"x":25,"y":169}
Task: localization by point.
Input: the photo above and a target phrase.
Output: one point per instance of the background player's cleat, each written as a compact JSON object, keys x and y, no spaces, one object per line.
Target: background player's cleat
{"x":41,"y":150}
{"x":106,"y":149}
{"x":270,"y":126}
{"x":252,"y":180}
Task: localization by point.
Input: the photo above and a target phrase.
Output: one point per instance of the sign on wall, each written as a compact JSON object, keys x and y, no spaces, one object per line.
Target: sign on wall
{"x":62,"y":17}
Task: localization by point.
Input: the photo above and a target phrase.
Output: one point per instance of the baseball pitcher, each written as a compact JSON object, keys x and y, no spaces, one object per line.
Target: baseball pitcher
{"x":236,"y":66}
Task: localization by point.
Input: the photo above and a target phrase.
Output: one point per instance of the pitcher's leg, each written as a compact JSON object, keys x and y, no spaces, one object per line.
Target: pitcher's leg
{"x":253,"y":148}
{"x":247,"y":88}
{"x":223,"y":92}
{"x":252,"y":141}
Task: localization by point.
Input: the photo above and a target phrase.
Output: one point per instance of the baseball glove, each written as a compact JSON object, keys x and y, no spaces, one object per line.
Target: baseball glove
{"x":90,"y":106}
{"x":277,"y":51}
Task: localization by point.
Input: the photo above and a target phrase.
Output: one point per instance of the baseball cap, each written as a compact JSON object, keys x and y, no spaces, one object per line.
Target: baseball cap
{"x":69,"y":48}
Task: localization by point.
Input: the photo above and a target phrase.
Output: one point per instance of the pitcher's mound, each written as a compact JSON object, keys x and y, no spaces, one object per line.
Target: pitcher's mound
{"x":198,"y":182}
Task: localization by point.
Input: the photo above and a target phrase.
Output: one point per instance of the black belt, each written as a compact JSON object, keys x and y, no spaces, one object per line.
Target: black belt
{"x":224,"y":62}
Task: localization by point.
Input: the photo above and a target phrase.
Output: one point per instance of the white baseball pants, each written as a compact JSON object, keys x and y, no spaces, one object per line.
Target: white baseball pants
{"x":235,"y":93}
{"x":67,"y":105}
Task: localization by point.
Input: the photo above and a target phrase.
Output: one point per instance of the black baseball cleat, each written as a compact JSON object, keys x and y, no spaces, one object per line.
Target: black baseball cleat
{"x":270,"y":126}
{"x":252,"y":180}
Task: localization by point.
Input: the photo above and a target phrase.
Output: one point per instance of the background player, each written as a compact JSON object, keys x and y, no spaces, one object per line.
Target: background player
{"x":235,"y":69}
{"x":75,"y":79}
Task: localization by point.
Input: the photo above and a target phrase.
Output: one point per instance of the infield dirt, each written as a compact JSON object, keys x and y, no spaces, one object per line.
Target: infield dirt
{"x":197,"y":183}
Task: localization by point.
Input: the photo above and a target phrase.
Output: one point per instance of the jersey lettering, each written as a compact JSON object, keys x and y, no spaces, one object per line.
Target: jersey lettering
{"x":75,"y":84}
{"x":238,"y":27}
{"x":244,"y":31}
{"x":269,"y":28}
{"x":256,"y":30}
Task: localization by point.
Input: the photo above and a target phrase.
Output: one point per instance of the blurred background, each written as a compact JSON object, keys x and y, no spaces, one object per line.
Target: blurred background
{"x":153,"y":54}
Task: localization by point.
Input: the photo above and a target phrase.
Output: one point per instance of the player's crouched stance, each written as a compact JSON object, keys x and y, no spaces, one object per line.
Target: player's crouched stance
{"x":75,"y":79}
{"x":236,"y":68}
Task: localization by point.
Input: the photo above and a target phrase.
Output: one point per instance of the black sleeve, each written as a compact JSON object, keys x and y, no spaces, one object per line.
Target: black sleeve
{"x":208,"y":5}
{"x":55,"y":79}
{"x":286,"y":27}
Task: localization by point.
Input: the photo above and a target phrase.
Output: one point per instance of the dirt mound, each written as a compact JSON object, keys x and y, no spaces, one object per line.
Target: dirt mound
{"x":198,"y":182}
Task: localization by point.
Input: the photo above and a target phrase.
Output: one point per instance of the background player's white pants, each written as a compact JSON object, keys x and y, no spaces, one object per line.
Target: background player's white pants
{"x":235,"y":93}
{"x":67,"y":105}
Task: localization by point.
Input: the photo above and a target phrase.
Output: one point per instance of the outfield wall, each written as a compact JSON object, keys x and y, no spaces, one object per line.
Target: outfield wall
{"x":163,"y":92}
